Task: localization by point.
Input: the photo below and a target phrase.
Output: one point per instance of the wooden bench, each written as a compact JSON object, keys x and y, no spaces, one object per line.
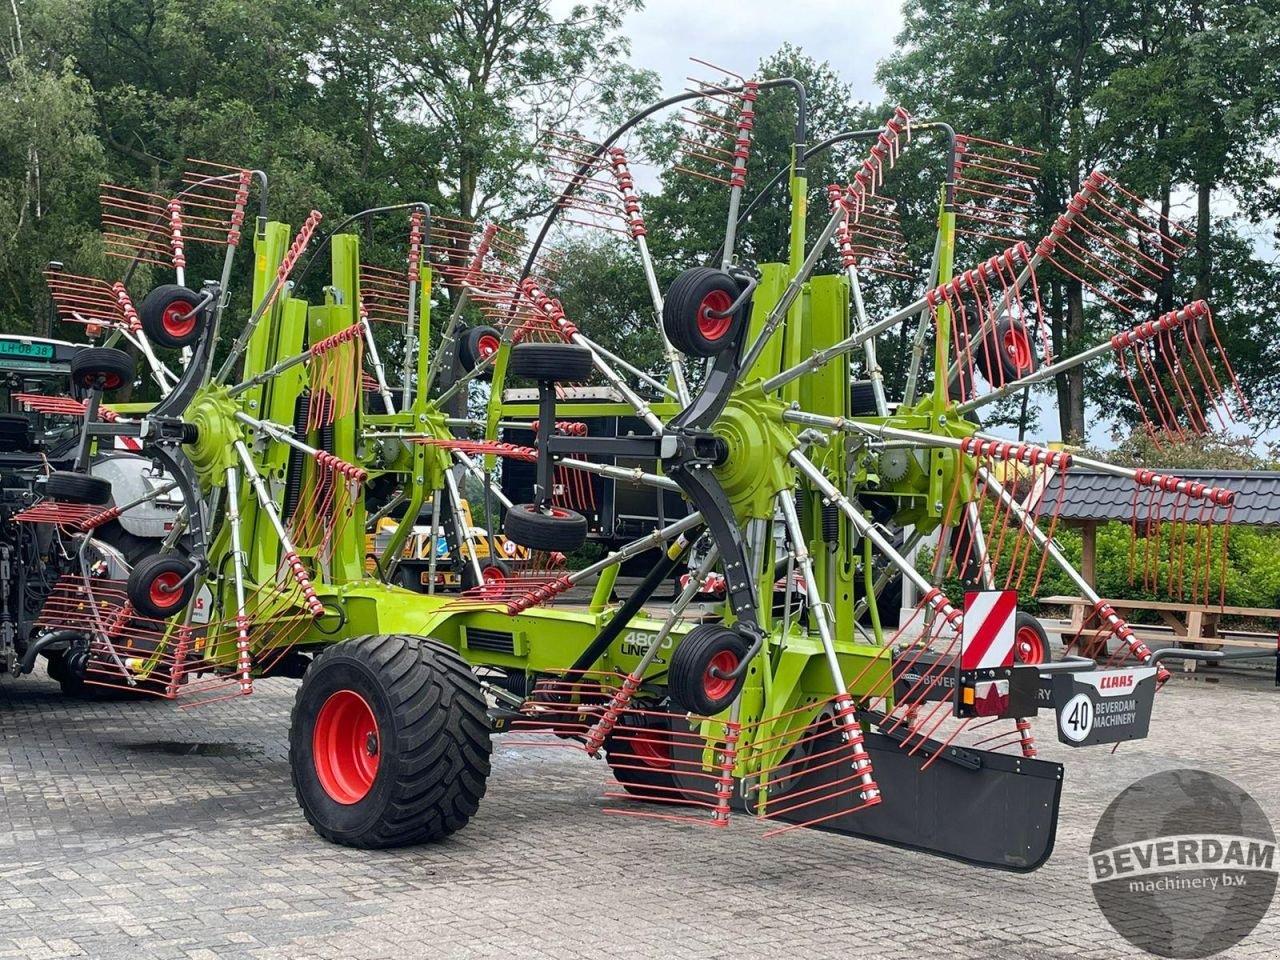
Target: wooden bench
{"x":1192,"y":624}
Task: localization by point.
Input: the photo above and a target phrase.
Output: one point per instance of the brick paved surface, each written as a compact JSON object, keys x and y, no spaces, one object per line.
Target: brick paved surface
{"x":143,"y":831}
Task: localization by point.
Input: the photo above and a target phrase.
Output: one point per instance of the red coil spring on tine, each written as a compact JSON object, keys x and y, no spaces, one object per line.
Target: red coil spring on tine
{"x":1120,"y":629}
{"x":570,"y":428}
{"x":237,"y":214}
{"x":299,"y":572}
{"x":175,"y":234}
{"x":1152,"y":328}
{"x":549,"y":308}
{"x":627,"y":187}
{"x":98,"y":519}
{"x":943,"y":608}
{"x":742,"y":141}
{"x":299,"y":244}
{"x":338,"y":465}
{"x":345,"y":335}
{"x":1219,"y":496}
{"x":126,"y":307}
{"x":538,"y":595}
{"x":415,"y":244}
{"x":601,"y":729}
{"x":1026,"y":740}
{"x":1027,"y":453}
{"x":476,"y":267}
{"x":724,"y":783}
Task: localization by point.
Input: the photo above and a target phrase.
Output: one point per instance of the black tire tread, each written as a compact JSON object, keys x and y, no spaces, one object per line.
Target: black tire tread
{"x":88,"y":362}
{"x":151,"y":312}
{"x":688,"y":664}
{"x":556,"y":362}
{"x":540,"y":532}
{"x":72,"y":487}
{"x":441,"y":739}
{"x":680,"y":310}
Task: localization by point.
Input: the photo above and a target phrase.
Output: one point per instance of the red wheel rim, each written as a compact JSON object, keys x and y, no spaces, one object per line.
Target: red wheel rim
{"x":716,"y":688}
{"x":163,"y":591}
{"x":1030,"y":646}
{"x":178,"y":319}
{"x":487,"y":346}
{"x":713,"y":328}
{"x":109,"y":381}
{"x":1017,"y":349}
{"x":491,"y":580}
{"x":651,"y":751}
{"x":556,"y":512}
{"x":345,"y":747}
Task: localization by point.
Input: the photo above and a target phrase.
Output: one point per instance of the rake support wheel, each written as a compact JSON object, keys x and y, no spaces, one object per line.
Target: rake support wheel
{"x":477,"y":345}
{"x":159,"y":586}
{"x":77,"y":488}
{"x":550,"y":362}
{"x":101,"y":368}
{"x":389,"y":742}
{"x":1030,"y":641}
{"x":169,"y":316}
{"x":641,"y":760}
{"x":1006,"y":353}
{"x":696,"y":677}
{"x":550,"y":528}
{"x":493,"y":573}
{"x":690,"y":311}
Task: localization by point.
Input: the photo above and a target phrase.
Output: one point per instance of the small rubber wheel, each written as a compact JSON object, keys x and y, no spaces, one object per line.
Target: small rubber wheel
{"x":101,"y":368}
{"x":169,"y":316}
{"x":493,"y":572}
{"x":1030,"y":641}
{"x":389,"y":742}
{"x":862,"y":399}
{"x":1007,"y":354}
{"x":552,"y":528}
{"x":157,"y":588}
{"x":690,"y":307}
{"x":694,"y":679}
{"x":77,"y":488}
{"x":554,"y":362}
{"x":477,"y":345}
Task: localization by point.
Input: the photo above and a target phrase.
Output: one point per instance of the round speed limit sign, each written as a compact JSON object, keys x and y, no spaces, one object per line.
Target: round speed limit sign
{"x":1076,"y":718}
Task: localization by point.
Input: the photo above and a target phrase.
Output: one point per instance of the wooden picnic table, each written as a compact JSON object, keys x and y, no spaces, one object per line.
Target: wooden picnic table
{"x":1193,"y":624}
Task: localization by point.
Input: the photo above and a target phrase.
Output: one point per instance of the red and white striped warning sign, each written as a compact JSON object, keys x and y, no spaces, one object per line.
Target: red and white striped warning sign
{"x":986,"y":637}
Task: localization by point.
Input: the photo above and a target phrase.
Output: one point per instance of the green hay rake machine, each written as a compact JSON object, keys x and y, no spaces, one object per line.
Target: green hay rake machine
{"x":807,"y":493}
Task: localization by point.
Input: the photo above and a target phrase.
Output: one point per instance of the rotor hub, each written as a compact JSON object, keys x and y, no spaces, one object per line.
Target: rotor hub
{"x":212,"y":411}
{"x":755,"y":467}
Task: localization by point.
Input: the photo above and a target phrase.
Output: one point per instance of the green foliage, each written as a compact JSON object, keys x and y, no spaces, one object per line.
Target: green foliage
{"x":605,"y":293}
{"x":688,"y":214}
{"x":1220,"y":451}
{"x":1162,"y":567}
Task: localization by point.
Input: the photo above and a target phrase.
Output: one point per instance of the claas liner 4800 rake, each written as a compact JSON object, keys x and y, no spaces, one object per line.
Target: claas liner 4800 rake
{"x":807,"y":494}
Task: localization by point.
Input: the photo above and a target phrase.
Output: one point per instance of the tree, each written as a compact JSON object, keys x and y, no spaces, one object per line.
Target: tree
{"x":485,"y":80}
{"x":50,"y":164}
{"x":1034,"y":92}
{"x":688,"y":214}
{"x":1163,"y":92}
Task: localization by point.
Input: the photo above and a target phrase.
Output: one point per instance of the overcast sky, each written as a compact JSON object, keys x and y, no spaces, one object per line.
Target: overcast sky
{"x":852,"y":36}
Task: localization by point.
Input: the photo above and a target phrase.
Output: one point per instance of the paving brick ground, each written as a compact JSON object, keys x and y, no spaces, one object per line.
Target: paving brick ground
{"x":142,"y":831}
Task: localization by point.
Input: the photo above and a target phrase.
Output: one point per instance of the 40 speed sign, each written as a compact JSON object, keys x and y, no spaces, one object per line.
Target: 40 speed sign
{"x":1104,"y":706}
